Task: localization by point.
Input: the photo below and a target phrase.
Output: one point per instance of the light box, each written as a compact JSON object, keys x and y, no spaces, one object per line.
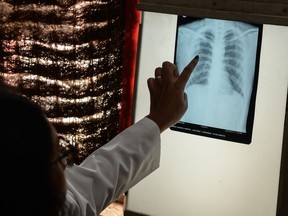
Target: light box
{"x":222,"y":88}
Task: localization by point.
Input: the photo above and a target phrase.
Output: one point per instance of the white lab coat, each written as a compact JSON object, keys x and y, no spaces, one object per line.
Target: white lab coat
{"x":112,"y":169}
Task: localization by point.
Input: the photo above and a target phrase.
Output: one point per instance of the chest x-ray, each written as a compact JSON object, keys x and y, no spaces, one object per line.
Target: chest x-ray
{"x":222,"y":88}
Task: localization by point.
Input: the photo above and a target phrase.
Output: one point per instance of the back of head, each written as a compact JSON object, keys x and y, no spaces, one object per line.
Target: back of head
{"x":25,"y":142}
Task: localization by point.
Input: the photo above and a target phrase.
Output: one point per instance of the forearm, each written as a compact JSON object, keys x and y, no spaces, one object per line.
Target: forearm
{"x":120,"y":164}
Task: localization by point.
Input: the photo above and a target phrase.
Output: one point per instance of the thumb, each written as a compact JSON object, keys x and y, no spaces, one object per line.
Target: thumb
{"x":186,"y":73}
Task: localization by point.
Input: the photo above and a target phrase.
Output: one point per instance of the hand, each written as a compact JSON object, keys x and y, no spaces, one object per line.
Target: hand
{"x":168,"y":101}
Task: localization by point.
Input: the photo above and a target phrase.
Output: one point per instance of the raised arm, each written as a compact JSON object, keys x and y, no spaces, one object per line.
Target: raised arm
{"x":134,"y":153}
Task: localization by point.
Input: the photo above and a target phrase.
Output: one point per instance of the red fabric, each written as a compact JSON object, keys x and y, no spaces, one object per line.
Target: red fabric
{"x":129,"y":62}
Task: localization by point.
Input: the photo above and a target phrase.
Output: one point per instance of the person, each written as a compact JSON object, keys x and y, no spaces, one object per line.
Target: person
{"x":34,"y":178}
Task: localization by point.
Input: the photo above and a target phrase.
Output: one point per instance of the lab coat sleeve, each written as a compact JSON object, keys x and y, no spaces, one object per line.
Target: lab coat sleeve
{"x":113,"y":169}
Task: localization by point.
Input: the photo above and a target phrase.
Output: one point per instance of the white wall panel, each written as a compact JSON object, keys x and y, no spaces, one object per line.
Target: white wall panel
{"x":204,"y":176}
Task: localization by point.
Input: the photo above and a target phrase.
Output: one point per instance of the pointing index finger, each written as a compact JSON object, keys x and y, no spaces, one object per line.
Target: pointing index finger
{"x":186,"y":73}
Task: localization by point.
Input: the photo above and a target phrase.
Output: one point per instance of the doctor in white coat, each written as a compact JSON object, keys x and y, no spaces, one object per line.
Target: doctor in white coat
{"x":37,"y":182}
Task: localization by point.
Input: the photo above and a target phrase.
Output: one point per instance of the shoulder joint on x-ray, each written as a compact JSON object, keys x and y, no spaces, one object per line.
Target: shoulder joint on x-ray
{"x":244,"y":34}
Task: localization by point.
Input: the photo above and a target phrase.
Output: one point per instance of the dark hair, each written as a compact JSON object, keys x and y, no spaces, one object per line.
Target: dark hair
{"x":26,"y":148}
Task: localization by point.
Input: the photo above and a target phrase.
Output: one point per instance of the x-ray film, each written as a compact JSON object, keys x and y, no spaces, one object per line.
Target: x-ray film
{"x":222,"y":88}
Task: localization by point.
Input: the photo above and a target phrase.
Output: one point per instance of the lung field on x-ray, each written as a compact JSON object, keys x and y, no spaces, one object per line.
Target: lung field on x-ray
{"x":233,"y":61}
{"x":205,"y":50}
{"x":220,"y":87}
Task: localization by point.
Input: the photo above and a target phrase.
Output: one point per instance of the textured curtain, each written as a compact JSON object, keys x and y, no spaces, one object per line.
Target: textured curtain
{"x":67,"y":55}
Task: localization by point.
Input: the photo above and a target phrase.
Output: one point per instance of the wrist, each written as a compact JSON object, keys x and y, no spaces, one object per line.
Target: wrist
{"x":159,"y":121}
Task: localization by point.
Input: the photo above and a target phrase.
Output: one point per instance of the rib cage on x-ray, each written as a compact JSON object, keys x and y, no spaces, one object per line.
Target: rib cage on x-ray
{"x":220,"y":87}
